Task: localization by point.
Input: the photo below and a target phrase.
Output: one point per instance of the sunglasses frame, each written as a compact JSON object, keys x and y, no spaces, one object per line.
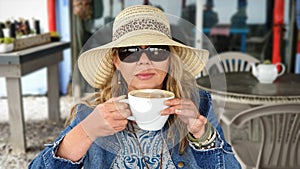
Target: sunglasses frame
{"x":156,"y":53}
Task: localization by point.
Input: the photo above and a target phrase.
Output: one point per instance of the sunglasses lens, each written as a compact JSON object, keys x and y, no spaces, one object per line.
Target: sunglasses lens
{"x":154,"y":53}
{"x":159,"y":53}
{"x":127,"y":55}
{"x":131,"y":57}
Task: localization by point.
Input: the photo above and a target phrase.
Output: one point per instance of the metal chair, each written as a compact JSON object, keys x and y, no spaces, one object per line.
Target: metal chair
{"x":279,"y":143}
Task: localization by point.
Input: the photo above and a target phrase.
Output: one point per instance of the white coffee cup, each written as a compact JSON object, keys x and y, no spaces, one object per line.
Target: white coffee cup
{"x":146,"y":105}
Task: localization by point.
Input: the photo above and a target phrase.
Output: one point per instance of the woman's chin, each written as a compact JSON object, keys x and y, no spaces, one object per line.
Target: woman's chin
{"x":145,"y":87}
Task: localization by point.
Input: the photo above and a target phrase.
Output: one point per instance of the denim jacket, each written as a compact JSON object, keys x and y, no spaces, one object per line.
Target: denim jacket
{"x":221,"y":157}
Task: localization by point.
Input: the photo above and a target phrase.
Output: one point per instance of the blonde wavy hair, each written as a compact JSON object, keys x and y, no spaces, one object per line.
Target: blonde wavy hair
{"x":178,"y":80}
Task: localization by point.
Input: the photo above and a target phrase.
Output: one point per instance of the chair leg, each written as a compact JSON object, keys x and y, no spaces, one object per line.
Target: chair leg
{"x":248,"y":167}
{"x":226,"y":131}
{"x":253,"y":130}
{"x":250,"y":129}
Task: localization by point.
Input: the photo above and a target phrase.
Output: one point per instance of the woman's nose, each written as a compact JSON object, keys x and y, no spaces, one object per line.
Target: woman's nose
{"x":144,"y":59}
{"x":143,"y":47}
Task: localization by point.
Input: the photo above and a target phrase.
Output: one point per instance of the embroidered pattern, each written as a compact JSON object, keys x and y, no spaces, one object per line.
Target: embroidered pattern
{"x":150,"y":143}
{"x":141,"y":24}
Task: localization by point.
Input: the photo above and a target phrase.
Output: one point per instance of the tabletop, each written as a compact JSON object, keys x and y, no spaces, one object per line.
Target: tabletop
{"x":21,"y":56}
{"x":243,"y":87}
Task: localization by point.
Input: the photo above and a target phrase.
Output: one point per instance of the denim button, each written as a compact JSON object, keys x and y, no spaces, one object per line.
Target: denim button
{"x":180,"y":164}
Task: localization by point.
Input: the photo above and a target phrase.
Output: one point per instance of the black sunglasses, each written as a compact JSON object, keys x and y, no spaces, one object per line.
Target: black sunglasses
{"x":134,"y":53}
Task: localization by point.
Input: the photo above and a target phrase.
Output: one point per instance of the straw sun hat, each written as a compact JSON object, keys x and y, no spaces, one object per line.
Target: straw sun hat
{"x":136,"y":26}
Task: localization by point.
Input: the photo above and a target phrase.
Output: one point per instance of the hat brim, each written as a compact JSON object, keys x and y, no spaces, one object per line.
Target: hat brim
{"x":96,"y":65}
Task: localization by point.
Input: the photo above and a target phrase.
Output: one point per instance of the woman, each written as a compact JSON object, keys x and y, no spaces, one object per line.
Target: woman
{"x":142,"y":55}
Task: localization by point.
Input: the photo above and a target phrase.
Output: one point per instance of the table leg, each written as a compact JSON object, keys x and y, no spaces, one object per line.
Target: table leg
{"x":16,"y":117}
{"x":53,"y":93}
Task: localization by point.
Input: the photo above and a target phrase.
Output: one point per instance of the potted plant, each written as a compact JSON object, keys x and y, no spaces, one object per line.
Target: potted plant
{"x":6,"y":44}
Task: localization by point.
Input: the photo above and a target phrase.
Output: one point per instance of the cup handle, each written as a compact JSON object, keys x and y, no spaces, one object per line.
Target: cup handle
{"x":126,"y":101}
{"x":282,"y":68}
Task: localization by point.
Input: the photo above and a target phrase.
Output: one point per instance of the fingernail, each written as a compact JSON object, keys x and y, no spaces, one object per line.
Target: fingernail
{"x":177,"y":111}
{"x":167,"y":102}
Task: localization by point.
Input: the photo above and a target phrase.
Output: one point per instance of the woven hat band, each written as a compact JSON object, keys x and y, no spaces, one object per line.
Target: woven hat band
{"x":141,"y":18}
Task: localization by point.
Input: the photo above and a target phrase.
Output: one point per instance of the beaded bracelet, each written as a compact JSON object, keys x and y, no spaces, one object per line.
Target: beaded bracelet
{"x":207,"y":141}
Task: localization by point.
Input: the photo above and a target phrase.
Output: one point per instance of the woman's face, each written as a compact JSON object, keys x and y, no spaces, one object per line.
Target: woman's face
{"x":143,"y":67}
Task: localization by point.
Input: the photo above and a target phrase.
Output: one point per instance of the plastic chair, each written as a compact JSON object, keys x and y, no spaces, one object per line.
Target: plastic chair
{"x":231,"y":62}
{"x":279,"y":144}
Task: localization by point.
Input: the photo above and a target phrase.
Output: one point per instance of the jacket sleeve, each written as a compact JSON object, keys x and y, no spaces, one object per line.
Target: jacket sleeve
{"x":222,"y":155}
{"x":48,"y":159}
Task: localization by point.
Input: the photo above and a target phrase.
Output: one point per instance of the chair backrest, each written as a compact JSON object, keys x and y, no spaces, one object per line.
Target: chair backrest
{"x":280,"y":131}
{"x":230,"y":62}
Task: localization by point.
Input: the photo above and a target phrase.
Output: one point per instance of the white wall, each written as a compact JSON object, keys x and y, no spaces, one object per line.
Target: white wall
{"x":25,"y":9}
{"x":36,"y":82}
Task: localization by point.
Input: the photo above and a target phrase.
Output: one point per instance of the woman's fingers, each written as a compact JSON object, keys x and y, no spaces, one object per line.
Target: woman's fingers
{"x":117,"y":129}
{"x":121,"y":114}
{"x":197,"y":127}
{"x":178,"y":101}
{"x":119,"y":123}
{"x":115,"y":113}
{"x":187,"y":112}
{"x":195,"y":124}
{"x":113,"y":106}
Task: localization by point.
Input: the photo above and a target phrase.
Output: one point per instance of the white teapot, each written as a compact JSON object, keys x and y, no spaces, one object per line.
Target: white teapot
{"x":267,"y":73}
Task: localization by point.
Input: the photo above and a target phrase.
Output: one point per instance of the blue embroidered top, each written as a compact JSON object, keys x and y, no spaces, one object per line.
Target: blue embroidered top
{"x":142,"y":149}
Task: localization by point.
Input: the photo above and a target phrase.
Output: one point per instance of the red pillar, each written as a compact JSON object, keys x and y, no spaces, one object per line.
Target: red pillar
{"x":277,"y":29}
{"x":51,"y":15}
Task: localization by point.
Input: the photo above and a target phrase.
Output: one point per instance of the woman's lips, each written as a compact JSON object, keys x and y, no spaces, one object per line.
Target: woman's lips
{"x":145,"y":76}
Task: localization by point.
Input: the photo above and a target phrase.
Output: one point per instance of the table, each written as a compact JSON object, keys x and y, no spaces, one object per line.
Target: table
{"x":243,"y":87}
{"x":13,"y":66}
{"x":240,"y":31}
{"x":238,"y":91}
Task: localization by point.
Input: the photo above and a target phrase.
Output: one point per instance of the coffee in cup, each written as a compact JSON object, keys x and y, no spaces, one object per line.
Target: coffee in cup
{"x":151,"y":94}
{"x":146,"y":105}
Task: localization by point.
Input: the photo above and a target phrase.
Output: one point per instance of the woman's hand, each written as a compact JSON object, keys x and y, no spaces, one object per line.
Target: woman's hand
{"x":188,"y":113}
{"x":106,"y":119}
